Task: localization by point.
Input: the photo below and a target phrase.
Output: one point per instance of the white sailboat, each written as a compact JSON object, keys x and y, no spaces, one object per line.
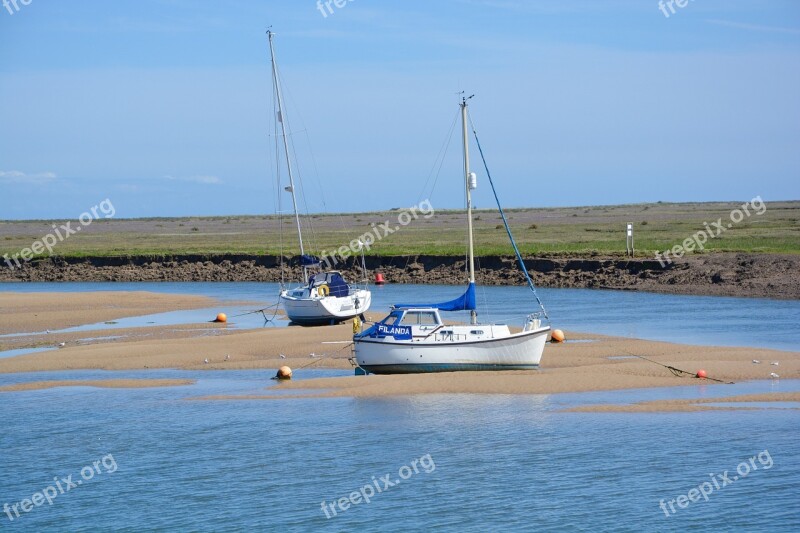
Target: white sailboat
{"x":413,"y":338}
{"x":324,"y":297}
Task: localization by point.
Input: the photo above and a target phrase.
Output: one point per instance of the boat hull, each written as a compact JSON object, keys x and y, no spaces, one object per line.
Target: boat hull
{"x":519,"y":351}
{"x":325,"y":310}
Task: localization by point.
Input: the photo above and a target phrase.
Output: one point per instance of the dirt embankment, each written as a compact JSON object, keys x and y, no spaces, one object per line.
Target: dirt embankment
{"x":728,"y":274}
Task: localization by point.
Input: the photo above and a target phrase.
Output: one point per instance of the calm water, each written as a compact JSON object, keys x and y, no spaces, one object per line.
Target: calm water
{"x":496,"y":462}
{"x":690,"y":319}
{"x":484,"y":462}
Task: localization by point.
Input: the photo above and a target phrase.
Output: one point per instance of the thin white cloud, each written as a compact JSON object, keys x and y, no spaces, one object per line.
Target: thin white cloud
{"x":207,"y":180}
{"x":15,"y":176}
{"x":754,"y":27}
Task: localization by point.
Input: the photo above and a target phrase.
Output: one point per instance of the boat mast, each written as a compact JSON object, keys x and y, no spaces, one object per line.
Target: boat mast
{"x":473,"y":314}
{"x":281,"y":117}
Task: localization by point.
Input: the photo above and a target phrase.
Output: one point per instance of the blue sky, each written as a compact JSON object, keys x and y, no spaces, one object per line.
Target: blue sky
{"x":164,"y":106}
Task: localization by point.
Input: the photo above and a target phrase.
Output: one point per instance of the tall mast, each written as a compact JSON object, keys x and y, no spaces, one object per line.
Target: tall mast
{"x":281,"y":119}
{"x":473,"y":314}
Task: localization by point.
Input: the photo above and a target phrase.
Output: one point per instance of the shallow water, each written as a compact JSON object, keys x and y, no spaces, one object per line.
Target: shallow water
{"x":706,"y":320}
{"x":24,"y":351}
{"x":485,"y":462}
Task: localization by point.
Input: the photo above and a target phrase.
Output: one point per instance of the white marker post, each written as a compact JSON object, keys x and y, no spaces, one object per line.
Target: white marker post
{"x":629,"y":240}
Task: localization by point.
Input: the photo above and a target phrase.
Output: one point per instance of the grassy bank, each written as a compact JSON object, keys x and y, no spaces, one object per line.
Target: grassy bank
{"x":551,"y":231}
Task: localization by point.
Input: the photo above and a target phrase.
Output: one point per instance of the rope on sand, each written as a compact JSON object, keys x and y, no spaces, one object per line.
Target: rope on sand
{"x":677,"y":372}
{"x":262,"y":311}
{"x":321,"y":357}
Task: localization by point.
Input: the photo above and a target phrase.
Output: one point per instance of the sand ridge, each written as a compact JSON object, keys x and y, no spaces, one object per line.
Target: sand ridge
{"x":104,"y":383}
{"x":40,"y":311}
{"x":589,"y":365}
{"x":695,"y":404}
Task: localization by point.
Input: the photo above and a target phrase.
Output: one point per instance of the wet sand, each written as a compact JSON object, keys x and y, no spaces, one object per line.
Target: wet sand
{"x":40,"y":311}
{"x":671,"y":406}
{"x":105,"y":384}
{"x":589,"y":365}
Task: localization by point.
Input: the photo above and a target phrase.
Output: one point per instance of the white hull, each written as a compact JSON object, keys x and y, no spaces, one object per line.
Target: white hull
{"x":325,"y":309}
{"x":413,"y":338}
{"x":518,"y":351}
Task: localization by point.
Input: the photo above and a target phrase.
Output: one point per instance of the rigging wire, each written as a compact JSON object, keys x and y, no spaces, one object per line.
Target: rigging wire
{"x":311,"y":237}
{"x":440,"y":157}
{"x":505,"y":223}
{"x":316,"y":171}
{"x":277,"y":202}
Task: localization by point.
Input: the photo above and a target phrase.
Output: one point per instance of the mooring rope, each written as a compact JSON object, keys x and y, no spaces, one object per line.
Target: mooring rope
{"x":677,"y":372}
{"x":320,"y":358}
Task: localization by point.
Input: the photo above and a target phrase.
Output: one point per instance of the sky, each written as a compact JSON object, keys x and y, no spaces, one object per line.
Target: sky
{"x":165,"y":107}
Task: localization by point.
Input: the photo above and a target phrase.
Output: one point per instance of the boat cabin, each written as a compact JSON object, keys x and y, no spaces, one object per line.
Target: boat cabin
{"x":424,"y":318}
{"x":424,"y":324}
{"x":333,"y":280}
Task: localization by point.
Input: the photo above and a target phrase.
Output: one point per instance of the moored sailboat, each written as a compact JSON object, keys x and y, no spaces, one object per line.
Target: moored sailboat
{"x":324,"y":297}
{"x":413,"y":338}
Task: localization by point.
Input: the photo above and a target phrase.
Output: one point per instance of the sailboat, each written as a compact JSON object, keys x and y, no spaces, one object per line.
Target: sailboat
{"x":324,"y":297}
{"x":413,"y":338}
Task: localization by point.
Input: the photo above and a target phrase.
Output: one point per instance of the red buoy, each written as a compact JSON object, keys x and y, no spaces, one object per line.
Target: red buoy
{"x":701,"y":374}
{"x":379,"y":279}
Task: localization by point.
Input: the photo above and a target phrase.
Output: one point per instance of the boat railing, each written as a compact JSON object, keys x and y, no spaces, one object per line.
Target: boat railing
{"x":452,"y":336}
{"x":434,"y":330}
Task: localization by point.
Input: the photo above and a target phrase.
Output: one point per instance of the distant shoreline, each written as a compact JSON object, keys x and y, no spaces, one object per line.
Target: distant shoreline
{"x":716,"y":274}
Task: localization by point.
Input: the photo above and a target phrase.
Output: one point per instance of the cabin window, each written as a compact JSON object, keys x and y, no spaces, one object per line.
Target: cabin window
{"x":392,"y":319}
{"x":427,"y":319}
{"x":420,"y":319}
{"x":476,"y":332}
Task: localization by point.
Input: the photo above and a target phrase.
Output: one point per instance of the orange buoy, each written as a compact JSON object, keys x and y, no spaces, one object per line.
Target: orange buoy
{"x":701,"y":374}
{"x":379,"y":279}
{"x":557,"y":336}
{"x":221,"y":317}
{"x":284,"y":372}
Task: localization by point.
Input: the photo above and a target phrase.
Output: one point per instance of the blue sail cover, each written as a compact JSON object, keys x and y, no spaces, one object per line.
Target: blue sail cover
{"x":309,"y":260}
{"x":465,"y":302}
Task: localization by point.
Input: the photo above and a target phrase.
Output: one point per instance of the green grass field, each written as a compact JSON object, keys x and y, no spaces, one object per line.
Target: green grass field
{"x":598,"y":230}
